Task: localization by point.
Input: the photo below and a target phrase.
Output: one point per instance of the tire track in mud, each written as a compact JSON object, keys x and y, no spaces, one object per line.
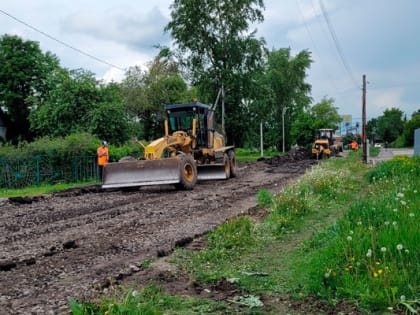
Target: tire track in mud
{"x":69,"y":245}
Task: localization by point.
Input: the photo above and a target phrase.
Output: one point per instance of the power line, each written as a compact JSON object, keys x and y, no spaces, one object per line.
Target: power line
{"x":61,"y":42}
{"x":315,"y":46}
{"x":336,"y":42}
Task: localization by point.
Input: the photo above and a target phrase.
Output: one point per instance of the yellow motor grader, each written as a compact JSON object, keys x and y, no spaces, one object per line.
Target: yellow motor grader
{"x":190,"y":150}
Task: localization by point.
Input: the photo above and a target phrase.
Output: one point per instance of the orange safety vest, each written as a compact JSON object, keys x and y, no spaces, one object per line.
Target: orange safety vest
{"x":102,"y":155}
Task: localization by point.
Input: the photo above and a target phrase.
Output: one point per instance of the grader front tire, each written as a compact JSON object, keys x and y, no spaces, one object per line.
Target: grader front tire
{"x":188,"y":173}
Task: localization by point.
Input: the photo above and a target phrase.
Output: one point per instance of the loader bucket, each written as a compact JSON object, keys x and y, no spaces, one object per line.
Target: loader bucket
{"x":212,"y":171}
{"x":141,"y":173}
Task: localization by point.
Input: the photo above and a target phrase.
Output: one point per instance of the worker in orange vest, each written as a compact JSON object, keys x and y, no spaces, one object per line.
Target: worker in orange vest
{"x":103,"y":157}
{"x":354,"y":145}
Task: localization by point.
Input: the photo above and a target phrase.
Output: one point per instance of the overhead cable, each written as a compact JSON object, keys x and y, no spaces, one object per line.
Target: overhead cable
{"x":61,"y":42}
{"x":336,"y":42}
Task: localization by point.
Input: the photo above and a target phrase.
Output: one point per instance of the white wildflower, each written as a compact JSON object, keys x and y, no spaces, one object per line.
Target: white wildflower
{"x":369,"y":253}
{"x":399,"y":247}
{"x":411,"y":214}
{"x":403,"y":202}
{"x":383,"y":249}
{"x":400,"y":195}
{"x":349,"y":238}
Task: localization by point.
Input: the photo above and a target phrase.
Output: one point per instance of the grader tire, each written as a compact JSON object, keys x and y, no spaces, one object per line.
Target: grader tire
{"x":226,"y":165}
{"x":188,"y":173}
{"x":232,"y":163}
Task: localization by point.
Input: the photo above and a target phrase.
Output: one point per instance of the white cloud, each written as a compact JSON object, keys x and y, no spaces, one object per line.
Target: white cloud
{"x":134,"y":28}
{"x":379,"y":101}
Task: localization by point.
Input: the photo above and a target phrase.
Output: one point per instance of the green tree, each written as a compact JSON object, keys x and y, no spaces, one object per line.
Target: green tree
{"x":219,"y":51}
{"x":23,"y":73}
{"x":325,"y":114}
{"x":108,"y":119}
{"x":410,"y":127}
{"x":146,"y":92}
{"x":286,"y":76}
{"x":390,"y":125}
{"x":77,"y":102}
{"x":322,"y":115}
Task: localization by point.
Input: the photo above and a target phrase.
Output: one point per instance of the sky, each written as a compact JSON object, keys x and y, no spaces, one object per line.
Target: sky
{"x":347,"y":39}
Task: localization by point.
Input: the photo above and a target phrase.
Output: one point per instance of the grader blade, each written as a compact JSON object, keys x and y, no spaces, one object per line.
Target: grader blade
{"x":141,"y":173}
{"x":212,"y":171}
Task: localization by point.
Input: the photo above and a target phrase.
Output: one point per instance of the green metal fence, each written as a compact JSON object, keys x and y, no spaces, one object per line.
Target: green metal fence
{"x":37,"y":170}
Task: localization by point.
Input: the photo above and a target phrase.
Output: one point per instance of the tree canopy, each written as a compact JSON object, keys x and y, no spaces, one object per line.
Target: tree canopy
{"x":145,"y":93}
{"x":219,"y":50}
{"x":24,"y":69}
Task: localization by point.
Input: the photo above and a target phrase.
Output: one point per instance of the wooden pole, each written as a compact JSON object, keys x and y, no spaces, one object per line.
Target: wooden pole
{"x":364,"y":137}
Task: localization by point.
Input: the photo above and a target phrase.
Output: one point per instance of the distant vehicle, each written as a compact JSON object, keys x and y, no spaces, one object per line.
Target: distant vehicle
{"x":378,"y":145}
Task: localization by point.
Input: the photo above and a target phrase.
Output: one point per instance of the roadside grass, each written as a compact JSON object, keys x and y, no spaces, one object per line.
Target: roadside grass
{"x":252,"y":155}
{"x":373,"y":254}
{"x":343,"y":231}
{"x":42,"y":189}
{"x":148,"y":301}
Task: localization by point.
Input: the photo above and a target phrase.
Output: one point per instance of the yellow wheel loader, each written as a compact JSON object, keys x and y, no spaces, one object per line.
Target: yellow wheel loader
{"x":326,"y":145}
{"x":190,"y":150}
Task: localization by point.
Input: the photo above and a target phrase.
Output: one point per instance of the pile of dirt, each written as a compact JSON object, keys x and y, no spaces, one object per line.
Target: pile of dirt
{"x":295,"y":154}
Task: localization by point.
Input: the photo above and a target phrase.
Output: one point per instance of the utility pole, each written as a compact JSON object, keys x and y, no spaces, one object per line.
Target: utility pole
{"x":364,"y":137}
{"x":223,"y":112}
{"x":261,"y":139}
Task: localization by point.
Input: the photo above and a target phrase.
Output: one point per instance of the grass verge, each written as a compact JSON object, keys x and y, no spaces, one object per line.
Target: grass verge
{"x":42,"y":189}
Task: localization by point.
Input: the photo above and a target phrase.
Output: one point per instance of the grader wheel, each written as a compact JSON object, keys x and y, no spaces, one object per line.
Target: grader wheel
{"x":188,"y":173}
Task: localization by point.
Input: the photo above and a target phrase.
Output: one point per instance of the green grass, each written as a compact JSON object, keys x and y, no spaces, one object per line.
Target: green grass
{"x":251,"y":155}
{"x":42,"y":189}
{"x":148,"y":301}
{"x":374,"y":255}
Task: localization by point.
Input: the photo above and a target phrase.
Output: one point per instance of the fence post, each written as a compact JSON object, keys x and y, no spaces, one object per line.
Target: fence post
{"x":37,"y":174}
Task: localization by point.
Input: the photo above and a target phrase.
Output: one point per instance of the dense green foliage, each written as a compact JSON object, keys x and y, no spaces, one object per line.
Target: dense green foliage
{"x":24,"y":69}
{"x":391,"y":129}
{"x":220,"y":52}
{"x":145,"y":93}
{"x":77,"y":103}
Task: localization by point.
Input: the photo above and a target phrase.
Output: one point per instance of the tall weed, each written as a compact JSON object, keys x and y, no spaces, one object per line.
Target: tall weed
{"x":374,"y":256}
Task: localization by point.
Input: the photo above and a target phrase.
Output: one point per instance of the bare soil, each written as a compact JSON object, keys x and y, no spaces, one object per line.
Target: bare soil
{"x":76,"y":243}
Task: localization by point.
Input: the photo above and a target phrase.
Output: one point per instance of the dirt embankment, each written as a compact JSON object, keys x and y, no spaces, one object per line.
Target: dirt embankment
{"x":75,"y":243}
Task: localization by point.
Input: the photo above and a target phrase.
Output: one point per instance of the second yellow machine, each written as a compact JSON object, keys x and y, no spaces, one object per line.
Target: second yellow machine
{"x":190,"y":150}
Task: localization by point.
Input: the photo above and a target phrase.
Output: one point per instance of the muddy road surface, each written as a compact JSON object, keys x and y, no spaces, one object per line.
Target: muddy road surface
{"x":73,"y":244}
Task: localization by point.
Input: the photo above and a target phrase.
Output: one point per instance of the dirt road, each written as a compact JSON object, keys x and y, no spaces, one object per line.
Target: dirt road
{"x":72,"y":244}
